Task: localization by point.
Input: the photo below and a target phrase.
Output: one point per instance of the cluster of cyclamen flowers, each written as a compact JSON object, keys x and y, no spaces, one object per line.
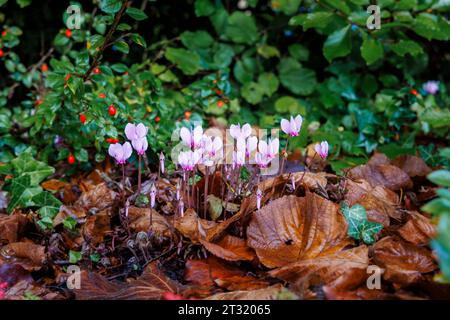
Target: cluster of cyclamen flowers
{"x":137,"y":134}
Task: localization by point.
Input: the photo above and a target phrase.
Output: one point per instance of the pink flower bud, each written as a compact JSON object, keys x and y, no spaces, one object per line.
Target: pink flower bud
{"x":258,"y":198}
{"x":322,"y":149}
{"x":161,"y":162}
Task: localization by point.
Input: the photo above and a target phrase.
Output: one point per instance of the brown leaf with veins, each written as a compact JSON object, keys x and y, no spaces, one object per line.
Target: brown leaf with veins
{"x":193,"y":227}
{"x":28,"y":255}
{"x":412,"y":165}
{"x":269,"y":293}
{"x":230,"y":248}
{"x":139,"y":219}
{"x":310,"y":180}
{"x":96,"y":227}
{"x":99,"y":197}
{"x":418,"y":230}
{"x":11,"y":226}
{"x":53,"y":185}
{"x":326,"y":268}
{"x":405,"y":263}
{"x":290,"y":229}
{"x":379,"y":172}
{"x":151,"y":285}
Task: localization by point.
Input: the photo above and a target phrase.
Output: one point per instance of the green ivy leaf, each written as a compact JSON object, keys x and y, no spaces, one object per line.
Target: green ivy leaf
{"x":187,"y":61}
{"x":74,"y":256}
{"x":48,"y":203}
{"x":37,"y":171}
{"x":21,"y":192}
{"x":338,"y":44}
{"x":359,"y":227}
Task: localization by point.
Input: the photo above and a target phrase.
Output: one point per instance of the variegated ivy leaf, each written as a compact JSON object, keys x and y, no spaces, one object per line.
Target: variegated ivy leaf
{"x":359,"y":227}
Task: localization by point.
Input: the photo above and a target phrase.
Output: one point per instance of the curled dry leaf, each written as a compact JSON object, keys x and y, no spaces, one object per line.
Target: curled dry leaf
{"x":53,"y":185}
{"x":65,"y":212}
{"x":290,"y":229}
{"x":212,"y":271}
{"x":310,"y":180}
{"x":193,"y":227}
{"x":404,"y":263}
{"x":269,"y":293}
{"x":96,"y":227}
{"x":418,"y":230}
{"x":139,"y":220}
{"x":99,"y":197}
{"x":412,"y":165}
{"x":151,"y":285}
{"x":11,"y":226}
{"x":326,"y":268}
{"x":379,"y":172}
{"x":28,"y":255}
{"x":230,"y":248}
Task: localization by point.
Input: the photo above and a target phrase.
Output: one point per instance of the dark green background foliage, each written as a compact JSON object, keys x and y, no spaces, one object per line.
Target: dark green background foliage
{"x":266,"y":61}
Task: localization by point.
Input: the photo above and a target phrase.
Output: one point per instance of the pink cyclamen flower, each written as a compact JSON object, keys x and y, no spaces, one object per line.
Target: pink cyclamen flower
{"x":261,"y":160}
{"x":431,"y":87}
{"x":238,"y":159}
{"x":293,"y":182}
{"x":269,"y":149}
{"x":247,"y":146}
{"x":120,"y":152}
{"x":240,"y":133}
{"x":137,"y":134}
{"x":152,"y":196}
{"x":161,"y":162}
{"x":258,"y":198}
{"x":322,"y":149}
{"x":192,"y":139}
{"x":188,"y":160}
{"x":177,"y":195}
{"x":181,"y":207}
{"x":292,"y":127}
{"x":212,"y":147}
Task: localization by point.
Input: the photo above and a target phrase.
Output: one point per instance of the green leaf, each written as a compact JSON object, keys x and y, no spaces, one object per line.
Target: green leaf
{"x":241,"y":28}
{"x":110,"y":6}
{"x":317,"y":20}
{"x":74,"y":256}
{"x":298,"y":80}
{"x":407,"y":47}
{"x":299,"y":52}
{"x":138,"y":39}
{"x":440,"y":177}
{"x":70,"y":223}
{"x":268,"y":83}
{"x":359,"y":227}
{"x":122,"y":46}
{"x":25,"y":164}
{"x":338,"y":44}
{"x":204,"y":8}
{"x":268,"y":51}
{"x":21,"y":192}
{"x":49,"y":204}
{"x":136,"y":14}
{"x":289,"y":105}
{"x":252,"y":92}
{"x":286,"y":6}
{"x":23,"y":3}
{"x":196,"y":40}
{"x":187,"y":61}
{"x":371,"y":50}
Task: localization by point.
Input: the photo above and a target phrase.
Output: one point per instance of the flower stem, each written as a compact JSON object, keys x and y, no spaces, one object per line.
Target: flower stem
{"x":205,"y":200}
{"x":284,"y":159}
{"x":123,"y":182}
{"x":139,"y":175}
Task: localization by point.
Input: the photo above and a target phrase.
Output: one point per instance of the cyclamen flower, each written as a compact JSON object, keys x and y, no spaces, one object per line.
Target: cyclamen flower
{"x":120,"y":152}
{"x":240,"y":133}
{"x":178,"y":188}
{"x":238,"y":159}
{"x":212,"y":147}
{"x":181,"y":207}
{"x":322,"y":149}
{"x":137,"y":134}
{"x":161,"y":162}
{"x":247,"y":146}
{"x":152,"y":196}
{"x":188,"y":160}
{"x":293,"y":182}
{"x":261,"y":160}
{"x":431,"y":87}
{"x":293,"y":126}
{"x":258,"y":198}
{"x":269,"y":149}
{"x":192,"y":139}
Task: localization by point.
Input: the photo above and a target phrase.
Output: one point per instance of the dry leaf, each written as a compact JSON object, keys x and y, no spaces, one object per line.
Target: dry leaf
{"x":418,"y":230}
{"x":193,"y":227}
{"x":404,"y":263}
{"x":69,"y":211}
{"x":139,"y":220}
{"x":230,"y":248}
{"x":269,"y":293}
{"x":309,"y":180}
{"x":379,"y":172}
{"x":27,"y":254}
{"x":11,"y":226}
{"x":290,"y":229}
{"x":327,"y":268}
{"x":151,"y":285}
{"x":53,"y":185}
{"x":96,"y":227}
{"x":412,"y":165}
{"x":99,"y":197}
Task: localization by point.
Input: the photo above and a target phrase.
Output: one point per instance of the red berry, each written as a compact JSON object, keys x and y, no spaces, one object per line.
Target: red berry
{"x":38,"y":102}
{"x":82,"y":118}
{"x":220,"y":103}
{"x":4,"y":33}
{"x":218,"y":92}
{"x":112,"y":110}
{"x":187,"y":115}
{"x":157,"y":119}
{"x":112,"y":140}
{"x":1,"y":53}
{"x":71,"y":159}
{"x":67,"y":77}
{"x":102,"y":96}
{"x":44,"y":67}
{"x":68,"y":33}
{"x":414,"y":92}
{"x":97,"y":70}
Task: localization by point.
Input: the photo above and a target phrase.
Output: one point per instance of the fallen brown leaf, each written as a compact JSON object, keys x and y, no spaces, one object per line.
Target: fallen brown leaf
{"x":418,"y":230}
{"x":290,"y":229}
{"x":269,"y":293}
{"x":11,"y":226}
{"x":405,"y":263}
{"x":99,"y":197}
{"x":230,"y":248}
{"x":139,"y":220}
{"x":28,"y":255}
{"x":96,"y":227}
{"x":412,"y":165}
{"x":53,"y":185}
